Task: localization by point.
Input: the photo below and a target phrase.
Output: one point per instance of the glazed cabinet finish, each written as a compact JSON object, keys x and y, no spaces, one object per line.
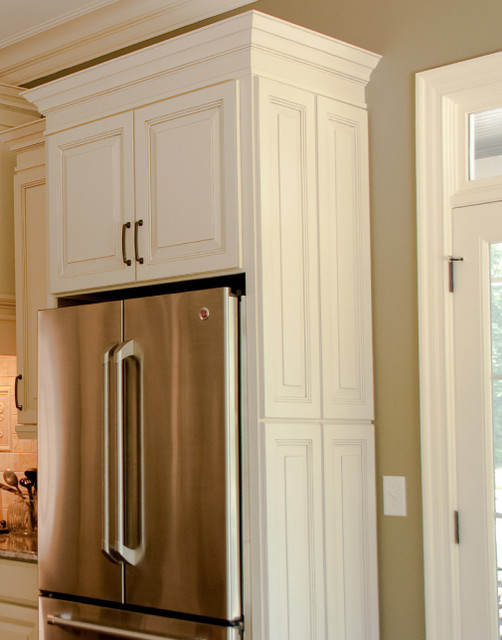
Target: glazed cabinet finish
{"x":91,"y":182}
{"x":321,"y":514}
{"x":249,"y":154}
{"x":30,"y":227}
{"x":146,"y":195}
{"x":18,"y":600}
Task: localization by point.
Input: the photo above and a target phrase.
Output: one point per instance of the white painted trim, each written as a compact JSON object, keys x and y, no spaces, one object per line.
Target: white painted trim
{"x":271,"y":47}
{"x":84,"y":35}
{"x":444,"y":97}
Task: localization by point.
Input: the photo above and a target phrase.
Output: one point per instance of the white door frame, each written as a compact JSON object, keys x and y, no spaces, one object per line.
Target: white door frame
{"x":445,"y":96}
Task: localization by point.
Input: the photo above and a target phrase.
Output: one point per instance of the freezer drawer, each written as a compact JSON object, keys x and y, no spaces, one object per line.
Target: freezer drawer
{"x":61,"y":620}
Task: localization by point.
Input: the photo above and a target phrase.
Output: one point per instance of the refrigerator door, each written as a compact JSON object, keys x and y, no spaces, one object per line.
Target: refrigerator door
{"x":60,"y":620}
{"x":73,"y":343}
{"x":184,"y":482}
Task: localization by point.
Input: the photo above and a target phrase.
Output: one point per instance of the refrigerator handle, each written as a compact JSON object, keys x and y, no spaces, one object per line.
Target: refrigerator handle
{"x":70,"y":623}
{"x":106,"y":546}
{"x":132,"y":556}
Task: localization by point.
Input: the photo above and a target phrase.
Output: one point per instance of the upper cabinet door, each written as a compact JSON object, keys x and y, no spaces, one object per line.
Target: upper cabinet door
{"x":187,"y":200}
{"x":289,"y":265}
{"x":344,"y":253}
{"x":91,"y":183}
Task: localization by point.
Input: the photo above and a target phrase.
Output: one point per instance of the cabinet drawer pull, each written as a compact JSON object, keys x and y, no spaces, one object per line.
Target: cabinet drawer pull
{"x":125,"y":226}
{"x":139,"y":223}
{"x":18,"y":406}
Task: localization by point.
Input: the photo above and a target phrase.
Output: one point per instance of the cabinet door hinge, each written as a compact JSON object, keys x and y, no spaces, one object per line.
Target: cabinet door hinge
{"x":456,"y":527}
{"x":451,"y":262}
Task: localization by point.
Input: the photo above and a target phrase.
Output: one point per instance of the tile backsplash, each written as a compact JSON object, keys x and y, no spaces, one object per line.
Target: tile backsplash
{"x":16,"y":454}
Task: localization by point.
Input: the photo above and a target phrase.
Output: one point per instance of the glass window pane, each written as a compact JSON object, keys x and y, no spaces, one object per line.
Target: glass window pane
{"x":485,"y":144}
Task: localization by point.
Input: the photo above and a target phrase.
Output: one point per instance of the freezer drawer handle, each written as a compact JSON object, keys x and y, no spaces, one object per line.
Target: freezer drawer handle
{"x":110,"y":631}
{"x":129,"y":349}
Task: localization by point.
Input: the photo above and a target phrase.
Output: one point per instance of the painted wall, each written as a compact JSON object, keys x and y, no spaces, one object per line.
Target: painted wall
{"x":412,"y":36}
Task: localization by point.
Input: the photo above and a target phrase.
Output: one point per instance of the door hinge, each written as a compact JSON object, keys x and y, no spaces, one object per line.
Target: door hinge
{"x":451,"y":262}
{"x":456,"y":527}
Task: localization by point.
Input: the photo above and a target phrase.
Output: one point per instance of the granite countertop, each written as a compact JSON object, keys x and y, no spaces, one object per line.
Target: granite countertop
{"x":16,"y":547}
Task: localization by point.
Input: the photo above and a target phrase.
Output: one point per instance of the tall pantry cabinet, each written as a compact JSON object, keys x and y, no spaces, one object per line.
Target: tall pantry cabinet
{"x":242,"y":148}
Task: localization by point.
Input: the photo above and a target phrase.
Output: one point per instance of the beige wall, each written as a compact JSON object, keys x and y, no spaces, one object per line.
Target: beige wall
{"x":411,"y":36}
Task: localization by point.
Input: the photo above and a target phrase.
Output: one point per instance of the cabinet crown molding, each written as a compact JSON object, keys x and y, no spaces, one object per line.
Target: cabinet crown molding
{"x":249,"y":43}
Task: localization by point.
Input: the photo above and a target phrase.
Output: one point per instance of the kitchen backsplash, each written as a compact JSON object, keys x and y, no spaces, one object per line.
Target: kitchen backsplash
{"x":16,"y":454}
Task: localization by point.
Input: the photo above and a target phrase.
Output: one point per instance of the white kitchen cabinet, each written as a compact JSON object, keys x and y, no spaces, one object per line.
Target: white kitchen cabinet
{"x":18,"y":600}
{"x":163,"y":206}
{"x":91,"y":181}
{"x":28,"y":143}
{"x":321,"y":521}
{"x":270,"y":178}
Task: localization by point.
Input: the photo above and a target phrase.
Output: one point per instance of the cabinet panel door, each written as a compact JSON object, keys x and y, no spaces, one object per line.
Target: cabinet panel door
{"x":349,"y":502}
{"x":345,"y":255}
{"x":18,"y":623}
{"x":289,"y":269}
{"x":91,"y":196}
{"x":294,"y":538}
{"x":31,"y":282}
{"x":187,"y":183}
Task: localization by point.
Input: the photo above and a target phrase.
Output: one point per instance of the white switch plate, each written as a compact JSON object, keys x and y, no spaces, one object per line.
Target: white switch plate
{"x":394,"y":495}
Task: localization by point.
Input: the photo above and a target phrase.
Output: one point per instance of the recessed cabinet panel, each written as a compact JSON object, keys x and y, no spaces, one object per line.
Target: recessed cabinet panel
{"x":31,"y":282}
{"x":187,"y":183}
{"x":293,"y":455}
{"x":344,"y":254}
{"x":349,"y":486}
{"x":288,"y":254}
{"x":92,"y":196}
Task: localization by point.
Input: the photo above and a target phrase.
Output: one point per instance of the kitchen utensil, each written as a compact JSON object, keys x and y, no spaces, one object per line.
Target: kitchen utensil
{"x":31,"y":474}
{"x":27,"y":484}
{"x":11,"y":479}
{"x":7,"y":488}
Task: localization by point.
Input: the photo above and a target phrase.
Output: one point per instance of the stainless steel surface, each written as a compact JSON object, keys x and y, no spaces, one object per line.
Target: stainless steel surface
{"x":191,"y":448}
{"x":109,"y":631}
{"x":103,"y":622}
{"x":72,"y":342}
{"x":130,"y":554}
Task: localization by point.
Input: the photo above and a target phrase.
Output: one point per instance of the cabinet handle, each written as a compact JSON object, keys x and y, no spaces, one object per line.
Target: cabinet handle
{"x":18,"y":406}
{"x":125,"y":226}
{"x":139,"y":223}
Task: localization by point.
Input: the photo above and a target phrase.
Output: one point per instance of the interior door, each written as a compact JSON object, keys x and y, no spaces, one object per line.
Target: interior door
{"x":477,"y":300}
{"x":72,"y":344}
{"x":188,"y":542}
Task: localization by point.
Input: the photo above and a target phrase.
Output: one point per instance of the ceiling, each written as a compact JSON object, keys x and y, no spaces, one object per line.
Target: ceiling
{"x":22,"y":18}
{"x":40,"y":38}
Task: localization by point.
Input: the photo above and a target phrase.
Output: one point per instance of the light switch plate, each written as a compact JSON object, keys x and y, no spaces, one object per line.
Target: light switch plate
{"x":394,"y":495}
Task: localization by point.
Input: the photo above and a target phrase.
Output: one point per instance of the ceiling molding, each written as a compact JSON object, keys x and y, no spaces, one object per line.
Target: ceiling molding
{"x":80,"y":36}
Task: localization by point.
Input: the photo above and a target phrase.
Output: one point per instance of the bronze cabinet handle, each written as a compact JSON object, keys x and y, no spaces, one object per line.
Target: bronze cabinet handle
{"x":139,"y":223}
{"x":125,"y":226}
{"x":18,"y":406}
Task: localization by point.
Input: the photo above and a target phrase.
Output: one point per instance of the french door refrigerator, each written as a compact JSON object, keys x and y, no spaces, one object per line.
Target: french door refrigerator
{"x":139,"y":531}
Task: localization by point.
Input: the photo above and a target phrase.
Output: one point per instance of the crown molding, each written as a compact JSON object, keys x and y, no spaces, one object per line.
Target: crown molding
{"x":105,"y":27}
{"x":250,"y":42}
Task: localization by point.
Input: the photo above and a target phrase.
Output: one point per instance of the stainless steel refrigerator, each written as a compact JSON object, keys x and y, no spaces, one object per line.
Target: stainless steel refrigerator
{"x":139,"y":532}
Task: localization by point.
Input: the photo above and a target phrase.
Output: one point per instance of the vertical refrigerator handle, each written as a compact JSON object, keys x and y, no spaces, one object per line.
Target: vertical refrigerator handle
{"x":106,"y":545}
{"x":132,"y":556}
